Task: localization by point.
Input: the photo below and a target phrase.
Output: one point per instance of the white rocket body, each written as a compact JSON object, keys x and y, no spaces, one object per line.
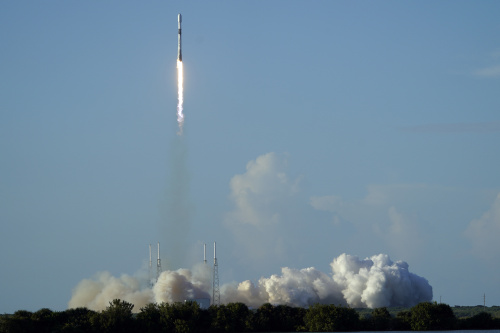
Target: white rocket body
{"x":179,"y":46}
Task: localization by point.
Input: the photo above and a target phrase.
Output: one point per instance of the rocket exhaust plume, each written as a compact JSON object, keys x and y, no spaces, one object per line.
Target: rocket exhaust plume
{"x":180,"y":77}
{"x":180,"y":89}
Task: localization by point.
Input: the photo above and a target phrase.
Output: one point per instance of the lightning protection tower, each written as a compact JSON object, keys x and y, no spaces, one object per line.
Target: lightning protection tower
{"x":215,"y":285}
{"x":205,"y":254}
{"x":158,"y":264}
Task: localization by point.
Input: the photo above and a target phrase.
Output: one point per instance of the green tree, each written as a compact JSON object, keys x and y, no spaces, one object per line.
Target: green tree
{"x":380,"y":319}
{"x":148,"y":320}
{"x":19,"y":322}
{"x":182,"y":326}
{"x":232,"y":317}
{"x":402,"y":322}
{"x":480,"y":321}
{"x":44,"y":320}
{"x":288,"y":319}
{"x":280,"y":318}
{"x":117,"y":317}
{"x":262,"y":319}
{"x":331,"y":318}
{"x":181,"y":317}
{"x":76,"y":320}
{"x":428,"y":316}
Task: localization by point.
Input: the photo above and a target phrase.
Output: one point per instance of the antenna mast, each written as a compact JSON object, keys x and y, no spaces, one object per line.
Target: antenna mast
{"x":205,"y":253}
{"x":215,"y":286}
{"x":158,"y":264}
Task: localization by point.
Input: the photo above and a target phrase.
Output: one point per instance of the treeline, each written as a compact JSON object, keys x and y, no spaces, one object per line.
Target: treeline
{"x":461,"y":312}
{"x":469,"y":311}
{"x":237,"y":317}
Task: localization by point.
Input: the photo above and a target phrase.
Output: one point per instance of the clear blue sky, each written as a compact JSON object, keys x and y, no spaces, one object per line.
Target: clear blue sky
{"x":374,"y":127}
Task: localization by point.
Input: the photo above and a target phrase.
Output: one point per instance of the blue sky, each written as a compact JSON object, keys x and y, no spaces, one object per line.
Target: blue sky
{"x":312,"y":129}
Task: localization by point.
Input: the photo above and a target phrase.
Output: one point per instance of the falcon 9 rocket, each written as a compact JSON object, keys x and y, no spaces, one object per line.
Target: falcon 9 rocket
{"x":179,"y":47}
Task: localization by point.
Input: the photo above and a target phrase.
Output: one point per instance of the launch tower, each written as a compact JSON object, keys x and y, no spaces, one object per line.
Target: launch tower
{"x":215,"y":285}
{"x":158,"y":264}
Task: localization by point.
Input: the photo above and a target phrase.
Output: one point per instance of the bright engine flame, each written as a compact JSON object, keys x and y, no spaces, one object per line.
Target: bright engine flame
{"x":180,"y":89}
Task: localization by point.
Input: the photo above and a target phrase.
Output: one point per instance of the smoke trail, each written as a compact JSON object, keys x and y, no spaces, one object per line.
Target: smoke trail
{"x":177,"y":207}
{"x":180,"y":90}
{"x":372,"y":282}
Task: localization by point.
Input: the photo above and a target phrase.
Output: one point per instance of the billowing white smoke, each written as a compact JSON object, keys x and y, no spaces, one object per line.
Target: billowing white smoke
{"x":183,"y":284}
{"x":172,"y":286}
{"x":294,"y":287}
{"x":372,"y":282}
{"x":96,"y":293}
{"x":377,"y":282}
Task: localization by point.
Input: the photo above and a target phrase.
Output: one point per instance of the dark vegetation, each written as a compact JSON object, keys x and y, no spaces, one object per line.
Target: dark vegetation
{"x":237,"y":317}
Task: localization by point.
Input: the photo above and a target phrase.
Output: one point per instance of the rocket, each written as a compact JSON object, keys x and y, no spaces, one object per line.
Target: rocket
{"x":179,"y":47}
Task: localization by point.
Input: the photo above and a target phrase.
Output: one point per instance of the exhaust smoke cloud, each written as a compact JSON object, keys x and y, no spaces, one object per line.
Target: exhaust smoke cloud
{"x":372,"y":282}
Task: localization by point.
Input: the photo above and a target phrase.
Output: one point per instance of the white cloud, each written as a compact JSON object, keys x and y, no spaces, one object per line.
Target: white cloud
{"x":400,"y":232}
{"x":484,"y":232}
{"x":493,"y":71}
{"x":262,"y":198}
{"x":398,"y":222}
{"x":329,"y":203}
{"x":261,"y":191}
{"x":383,"y":213}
